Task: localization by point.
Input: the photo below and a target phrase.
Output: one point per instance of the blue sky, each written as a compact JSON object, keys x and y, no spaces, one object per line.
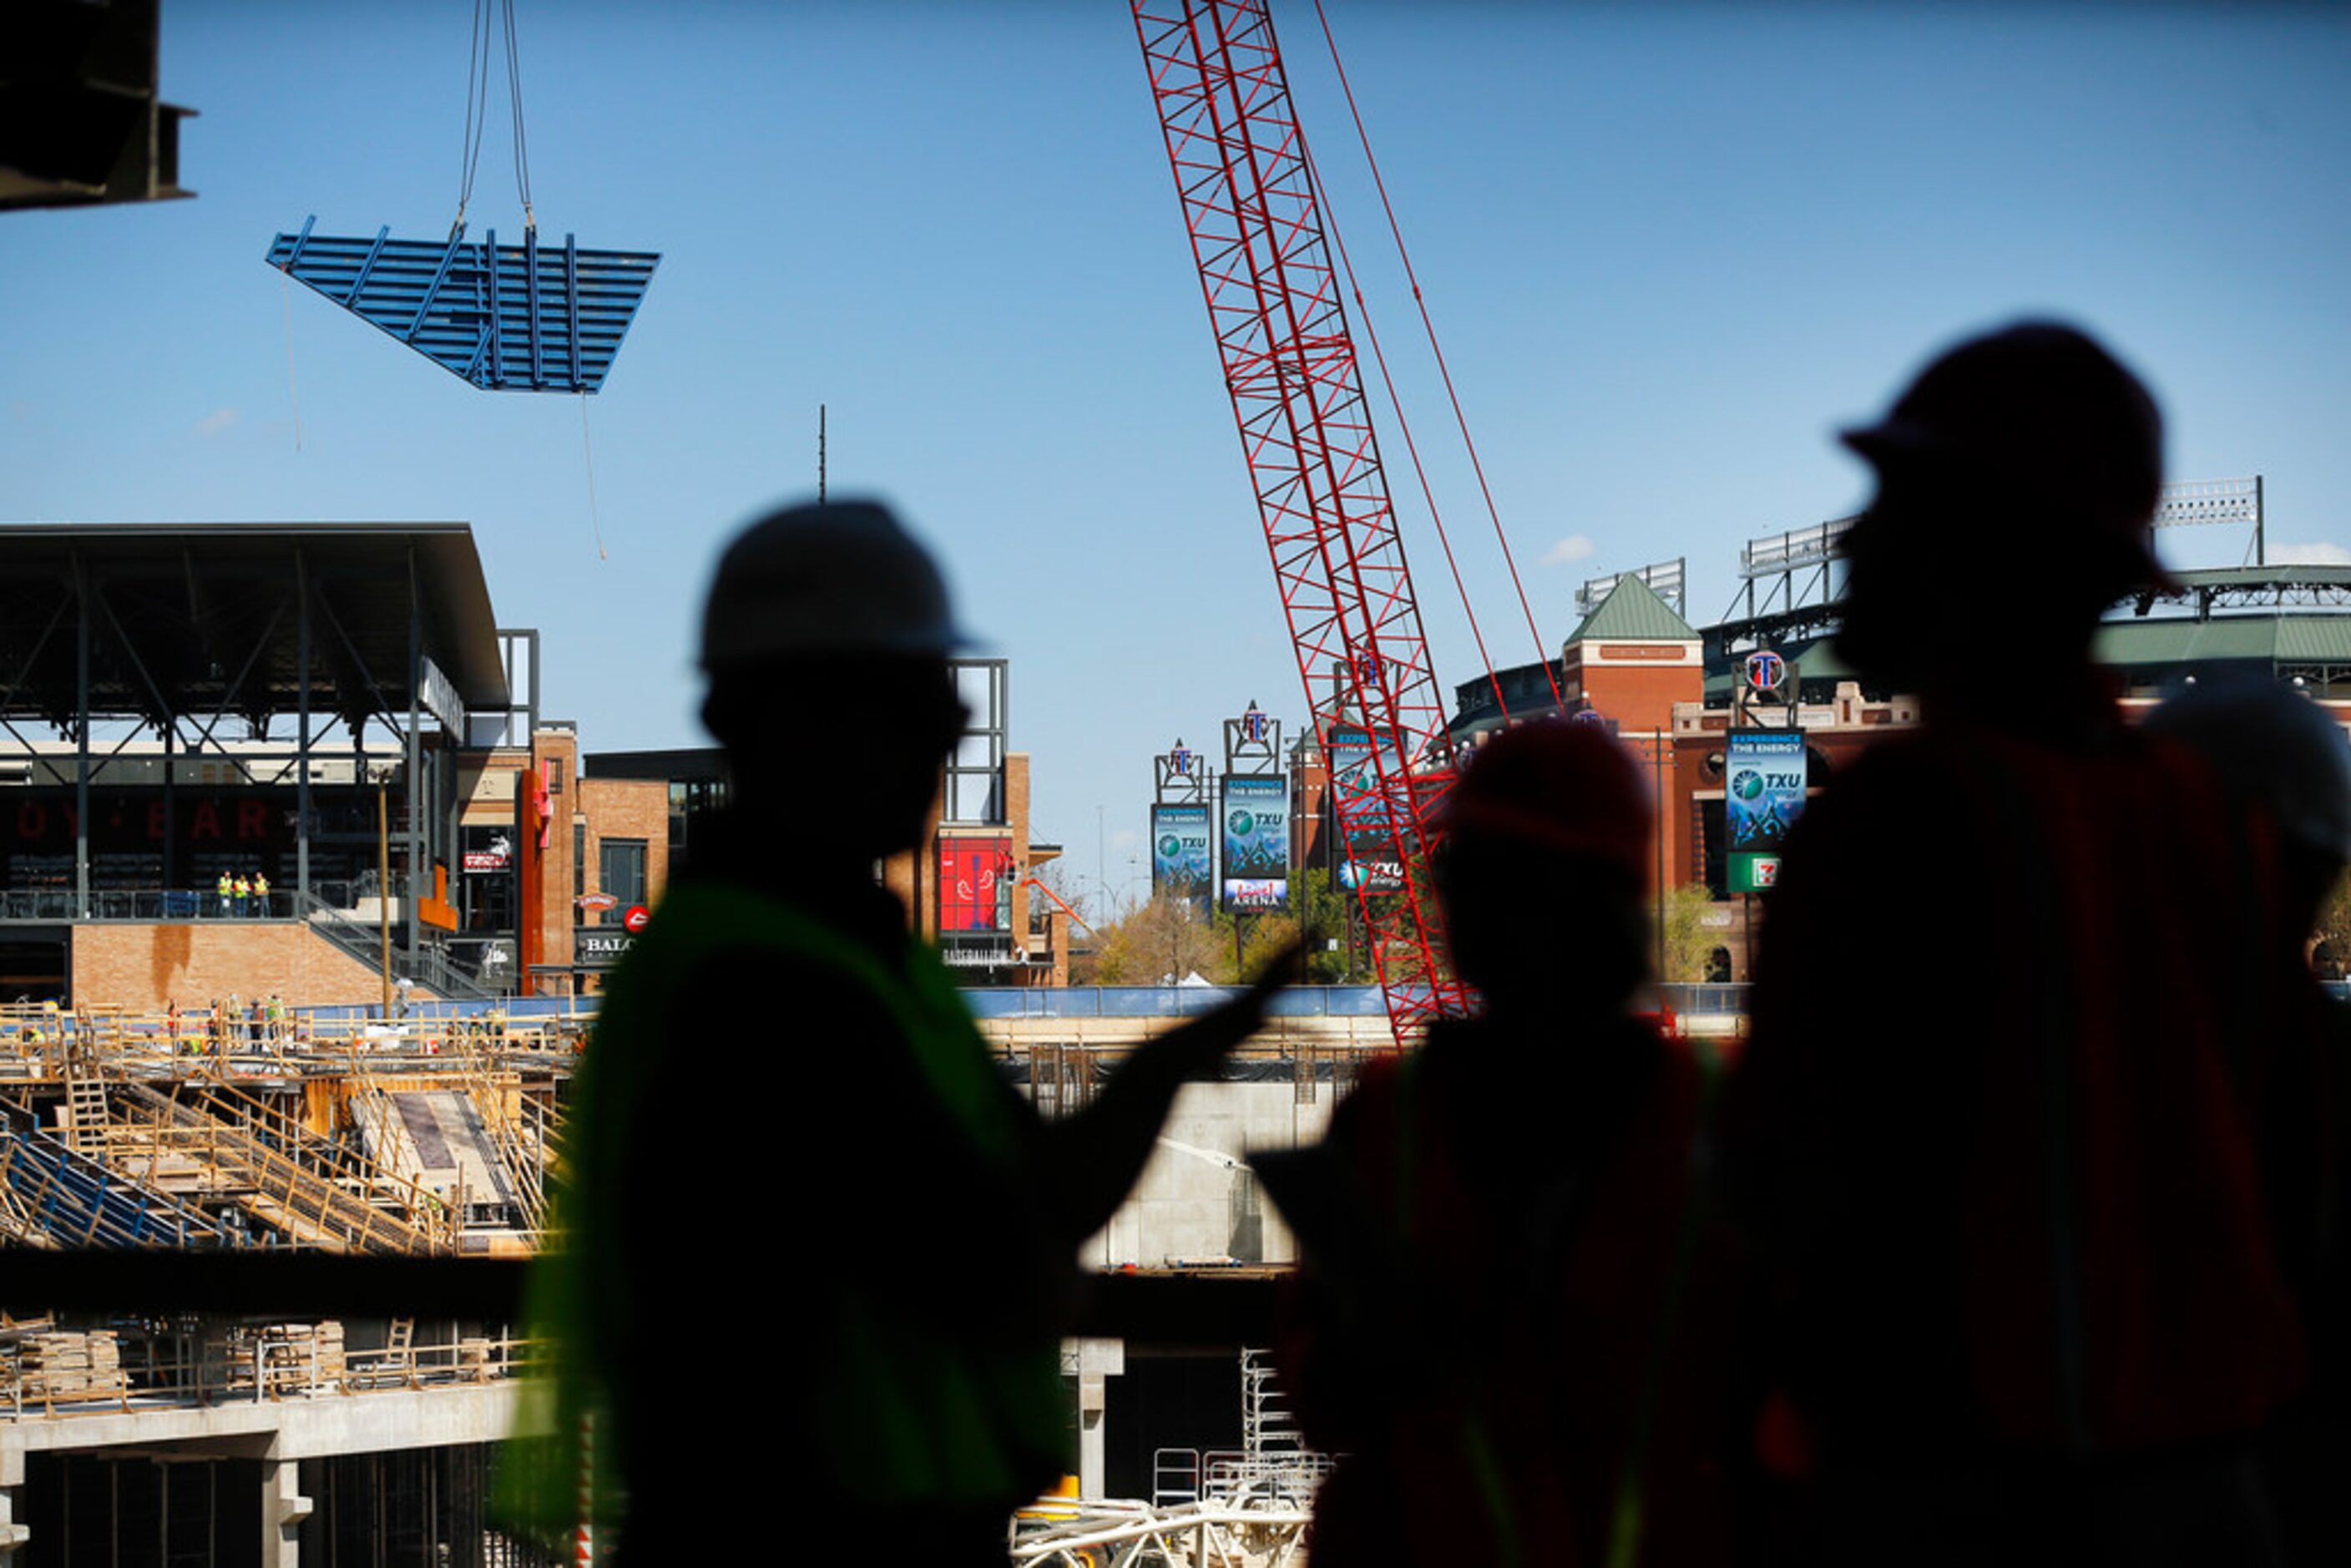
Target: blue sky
{"x":1669,"y":250}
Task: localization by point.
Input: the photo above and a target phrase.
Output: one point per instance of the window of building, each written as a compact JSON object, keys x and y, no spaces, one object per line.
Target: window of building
{"x":621,"y":871}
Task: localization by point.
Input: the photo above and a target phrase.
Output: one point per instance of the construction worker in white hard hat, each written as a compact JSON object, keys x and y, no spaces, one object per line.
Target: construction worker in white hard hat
{"x":934,"y":1218}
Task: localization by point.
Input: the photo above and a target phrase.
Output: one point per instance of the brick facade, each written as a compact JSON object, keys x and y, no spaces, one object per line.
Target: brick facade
{"x":149,"y":966}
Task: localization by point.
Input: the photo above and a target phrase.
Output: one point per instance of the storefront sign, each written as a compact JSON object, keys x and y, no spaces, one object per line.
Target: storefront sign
{"x":600,"y":947}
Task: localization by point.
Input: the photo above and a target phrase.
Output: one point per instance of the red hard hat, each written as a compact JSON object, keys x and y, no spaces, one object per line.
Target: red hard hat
{"x":1554,"y":785}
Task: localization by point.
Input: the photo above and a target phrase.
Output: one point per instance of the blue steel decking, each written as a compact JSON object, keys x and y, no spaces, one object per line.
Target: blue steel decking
{"x":526,"y":318}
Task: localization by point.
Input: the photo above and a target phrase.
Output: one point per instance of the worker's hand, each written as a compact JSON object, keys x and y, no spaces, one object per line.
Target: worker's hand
{"x":1206,"y":1040}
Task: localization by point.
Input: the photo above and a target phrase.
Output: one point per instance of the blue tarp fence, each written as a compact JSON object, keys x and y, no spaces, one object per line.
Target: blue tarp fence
{"x":1075,"y":1002}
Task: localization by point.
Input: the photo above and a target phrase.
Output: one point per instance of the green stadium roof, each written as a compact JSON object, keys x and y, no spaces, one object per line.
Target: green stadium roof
{"x":2291,"y":639}
{"x":1633,"y":611}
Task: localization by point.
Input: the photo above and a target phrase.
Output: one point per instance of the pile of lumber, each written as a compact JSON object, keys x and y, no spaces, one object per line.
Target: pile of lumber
{"x":47,"y":1366}
{"x":285,"y":1358}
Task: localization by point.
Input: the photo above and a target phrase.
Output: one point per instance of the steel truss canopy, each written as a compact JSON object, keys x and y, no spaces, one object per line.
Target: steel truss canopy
{"x":150,"y":621}
{"x":513,"y":318}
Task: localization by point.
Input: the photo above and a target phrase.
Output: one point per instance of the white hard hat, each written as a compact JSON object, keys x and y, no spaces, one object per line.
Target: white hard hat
{"x":2273,"y":746}
{"x":836,"y":577}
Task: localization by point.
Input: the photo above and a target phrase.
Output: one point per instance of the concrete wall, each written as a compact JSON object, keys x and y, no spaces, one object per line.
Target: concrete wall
{"x":1197,"y":1201}
{"x":147,"y":967}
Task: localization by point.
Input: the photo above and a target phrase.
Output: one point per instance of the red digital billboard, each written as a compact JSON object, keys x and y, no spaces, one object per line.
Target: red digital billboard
{"x":976,"y":879}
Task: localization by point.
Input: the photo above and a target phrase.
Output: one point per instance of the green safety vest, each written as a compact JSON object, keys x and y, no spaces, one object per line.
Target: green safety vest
{"x":913,"y":1414}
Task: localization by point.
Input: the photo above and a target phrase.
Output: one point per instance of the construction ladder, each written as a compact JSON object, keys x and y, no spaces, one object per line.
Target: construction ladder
{"x":86,"y":1114}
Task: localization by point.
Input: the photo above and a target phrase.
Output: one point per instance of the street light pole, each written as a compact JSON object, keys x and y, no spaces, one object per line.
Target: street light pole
{"x":383,"y":883}
{"x":1658,"y":787}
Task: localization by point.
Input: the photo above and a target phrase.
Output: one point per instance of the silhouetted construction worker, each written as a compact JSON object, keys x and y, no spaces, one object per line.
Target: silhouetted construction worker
{"x":902,"y":1362}
{"x":2000,"y":1123}
{"x":1511,"y":1318}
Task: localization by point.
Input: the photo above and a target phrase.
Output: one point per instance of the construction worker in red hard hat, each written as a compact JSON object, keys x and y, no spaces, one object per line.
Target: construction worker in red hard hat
{"x":933,"y":1218}
{"x":2286,"y":766}
{"x":1510,"y":1321}
{"x":1998,"y":1128}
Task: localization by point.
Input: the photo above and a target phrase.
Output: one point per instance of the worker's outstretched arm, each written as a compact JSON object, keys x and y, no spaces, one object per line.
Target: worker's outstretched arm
{"x":1093,"y":1156}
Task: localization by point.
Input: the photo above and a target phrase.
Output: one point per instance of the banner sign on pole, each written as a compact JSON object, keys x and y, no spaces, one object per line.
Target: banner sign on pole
{"x":1764,"y":795}
{"x":1180,"y":855}
{"x":1371,"y":865}
{"x":1257,"y":843}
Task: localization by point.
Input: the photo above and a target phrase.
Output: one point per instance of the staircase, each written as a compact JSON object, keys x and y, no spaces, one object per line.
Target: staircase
{"x":61,"y":1196}
{"x":429,"y":968}
{"x":1276,"y":1464}
{"x":311,"y":1208}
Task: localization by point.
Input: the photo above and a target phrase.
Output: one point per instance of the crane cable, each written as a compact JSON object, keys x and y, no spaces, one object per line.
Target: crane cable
{"x":1403,"y":424}
{"x":480,"y":41}
{"x":1429,"y":327}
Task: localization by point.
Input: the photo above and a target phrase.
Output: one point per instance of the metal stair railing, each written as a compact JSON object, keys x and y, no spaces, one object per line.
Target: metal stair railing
{"x":287,"y":1135}
{"x":429,"y":968}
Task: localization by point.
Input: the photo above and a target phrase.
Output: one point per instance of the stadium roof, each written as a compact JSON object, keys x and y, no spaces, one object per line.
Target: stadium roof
{"x":1633,"y":610}
{"x":208,"y":618}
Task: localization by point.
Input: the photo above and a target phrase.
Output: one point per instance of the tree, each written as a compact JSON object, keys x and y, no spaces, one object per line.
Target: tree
{"x":1686,"y":942}
{"x":1162,"y":941}
{"x":2331,"y":952}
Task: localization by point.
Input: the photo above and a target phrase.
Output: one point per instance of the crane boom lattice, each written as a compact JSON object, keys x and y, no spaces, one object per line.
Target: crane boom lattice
{"x":1252,"y":210}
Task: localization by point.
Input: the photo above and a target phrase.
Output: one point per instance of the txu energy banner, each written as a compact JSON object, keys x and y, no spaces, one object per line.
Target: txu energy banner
{"x":1763,"y":796}
{"x":1371,"y":865}
{"x":1257,"y":843}
{"x":1180,"y":851}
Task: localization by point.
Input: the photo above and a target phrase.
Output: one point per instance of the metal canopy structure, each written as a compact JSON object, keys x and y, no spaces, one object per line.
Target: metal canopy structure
{"x":160,"y":657}
{"x":526,"y":318}
{"x":155,"y":622}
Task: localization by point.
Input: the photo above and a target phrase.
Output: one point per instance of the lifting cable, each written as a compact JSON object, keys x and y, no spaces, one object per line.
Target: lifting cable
{"x":480,"y":41}
{"x":1372,"y":336}
{"x":1429,"y":327}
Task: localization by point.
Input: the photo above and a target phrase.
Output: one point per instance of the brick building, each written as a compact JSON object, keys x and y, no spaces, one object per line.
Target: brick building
{"x":1674,"y":693}
{"x":966,"y":887}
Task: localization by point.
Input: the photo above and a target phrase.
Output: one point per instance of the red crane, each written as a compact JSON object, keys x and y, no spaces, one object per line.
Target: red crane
{"x":1251,"y":206}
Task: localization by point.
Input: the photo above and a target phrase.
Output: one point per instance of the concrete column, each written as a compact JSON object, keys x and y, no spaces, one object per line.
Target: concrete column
{"x":283,"y":1509}
{"x":1098,"y":1360}
{"x":13,"y":1536}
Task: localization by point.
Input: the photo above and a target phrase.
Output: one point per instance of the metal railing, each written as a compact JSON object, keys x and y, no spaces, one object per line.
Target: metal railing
{"x":364,"y":940}
{"x":141,"y":1365}
{"x":57,"y":906}
{"x":1166,"y":1001}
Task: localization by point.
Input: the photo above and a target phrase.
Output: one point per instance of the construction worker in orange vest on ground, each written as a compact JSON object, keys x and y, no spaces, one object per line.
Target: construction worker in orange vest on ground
{"x":935,"y":1218}
{"x":1513,"y":1322}
{"x":2034,"y":1307}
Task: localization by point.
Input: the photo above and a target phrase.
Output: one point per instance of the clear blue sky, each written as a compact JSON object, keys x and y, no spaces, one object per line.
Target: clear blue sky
{"x":1670,"y":249}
